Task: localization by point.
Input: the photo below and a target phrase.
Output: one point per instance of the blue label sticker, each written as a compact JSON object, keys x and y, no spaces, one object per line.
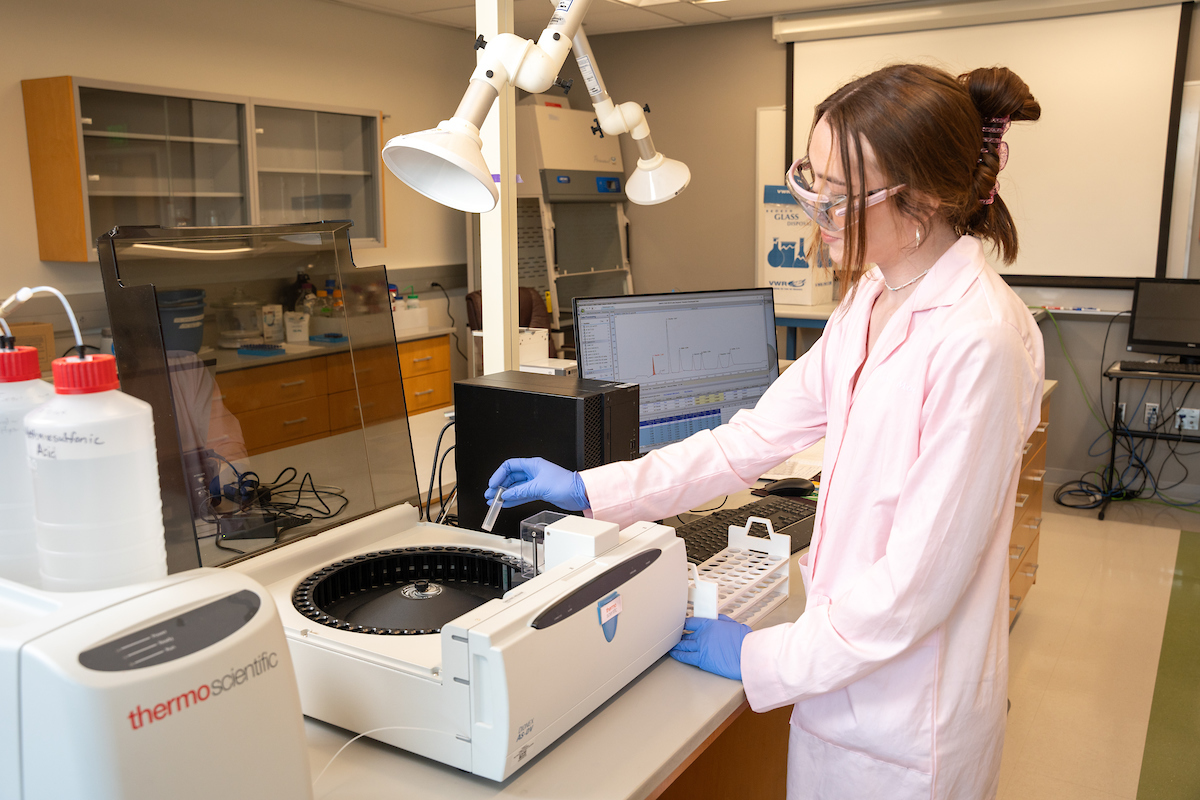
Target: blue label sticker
{"x":778,"y":195}
{"x":608,"y":609}
{"x":608,"y":185}
{"x":563,"y":178}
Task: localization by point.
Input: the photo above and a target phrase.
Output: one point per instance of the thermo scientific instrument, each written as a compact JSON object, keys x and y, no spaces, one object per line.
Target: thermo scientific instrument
{"x":179,"y":688}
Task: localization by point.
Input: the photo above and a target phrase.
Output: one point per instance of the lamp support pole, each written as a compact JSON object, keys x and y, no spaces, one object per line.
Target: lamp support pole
{"x":498,"y":227}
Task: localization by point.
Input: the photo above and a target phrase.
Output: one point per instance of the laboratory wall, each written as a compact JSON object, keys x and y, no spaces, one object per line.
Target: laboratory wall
{"x":306,"y":51}
{"x":703,"y":85}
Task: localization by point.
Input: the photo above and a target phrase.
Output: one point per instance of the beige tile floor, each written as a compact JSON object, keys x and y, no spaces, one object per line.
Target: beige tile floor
{"x":1083,"y":654}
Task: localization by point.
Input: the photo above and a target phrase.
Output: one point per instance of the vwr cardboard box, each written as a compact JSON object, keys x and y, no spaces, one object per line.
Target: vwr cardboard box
{"x":39,"y":335}
{"x":782,"y":263}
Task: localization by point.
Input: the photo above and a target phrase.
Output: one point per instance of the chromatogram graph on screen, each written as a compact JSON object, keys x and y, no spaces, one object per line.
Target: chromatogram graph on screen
{"x":681,"y":344}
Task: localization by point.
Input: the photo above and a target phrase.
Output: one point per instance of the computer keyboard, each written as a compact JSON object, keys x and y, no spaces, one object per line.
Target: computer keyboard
{"x":1155,"y":366}
{"x":707,"y":536}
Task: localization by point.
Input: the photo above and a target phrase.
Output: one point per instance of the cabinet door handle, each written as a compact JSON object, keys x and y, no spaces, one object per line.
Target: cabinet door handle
{"x":1022,"y":499}
{"x":85,"y":120}
{"x":422,"y":358}
{"x":427,"y":391}
{"x":1020,"y":548}
{"x":1025,"y":449}
{"x":295,"y":421}
{"x":1037,"y":474}
{"x":290,"y":384}
{"x":93,"y":178}
{"x":363,"y":407}
{"x":1014,"y":602}
{"x":258,"y":130}
{"x":1032,"y":571}
{"x":363,"y":370}
{"x":1042,"y":428}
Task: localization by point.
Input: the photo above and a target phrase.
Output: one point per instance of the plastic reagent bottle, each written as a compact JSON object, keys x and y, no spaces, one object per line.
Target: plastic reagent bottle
{"x":21,"y":390}
{"x":96,"y":495}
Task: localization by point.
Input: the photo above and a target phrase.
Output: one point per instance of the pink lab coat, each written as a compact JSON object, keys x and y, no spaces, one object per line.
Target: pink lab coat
{"x":898,"y":666}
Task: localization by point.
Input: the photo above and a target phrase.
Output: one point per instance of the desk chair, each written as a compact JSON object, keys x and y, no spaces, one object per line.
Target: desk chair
{"x":531,"y":313}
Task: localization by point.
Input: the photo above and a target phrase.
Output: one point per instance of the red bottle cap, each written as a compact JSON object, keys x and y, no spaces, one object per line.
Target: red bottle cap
{"x":96,"y":373}
{"x":19,"y":364}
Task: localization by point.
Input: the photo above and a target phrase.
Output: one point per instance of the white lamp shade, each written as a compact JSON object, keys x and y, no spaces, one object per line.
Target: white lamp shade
{"x":657,"y":184}
{"x":446,"y":166}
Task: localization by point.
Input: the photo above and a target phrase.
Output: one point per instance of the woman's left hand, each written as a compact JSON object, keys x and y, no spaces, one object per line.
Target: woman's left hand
{"x":713,"y":645}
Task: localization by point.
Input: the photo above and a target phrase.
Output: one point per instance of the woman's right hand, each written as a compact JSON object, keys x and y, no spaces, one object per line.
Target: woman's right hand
{"x":528,"y":479}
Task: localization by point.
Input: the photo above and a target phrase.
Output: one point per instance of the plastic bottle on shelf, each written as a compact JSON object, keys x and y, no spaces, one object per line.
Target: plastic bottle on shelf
{"x":412,"y":301}
{"x":307,"y":302}
{"x":96,"y":495}
{"x":21,"y":390}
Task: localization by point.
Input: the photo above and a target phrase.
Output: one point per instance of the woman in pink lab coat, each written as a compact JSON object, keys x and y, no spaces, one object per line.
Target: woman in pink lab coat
{"x":926,"y":384}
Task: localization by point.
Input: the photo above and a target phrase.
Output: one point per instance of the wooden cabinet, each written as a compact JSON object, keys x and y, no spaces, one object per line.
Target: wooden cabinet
{"x":105,"y":154}
{"x":1027,"y":520}
{"x":425,"y":366}
{"x":282,"y":404}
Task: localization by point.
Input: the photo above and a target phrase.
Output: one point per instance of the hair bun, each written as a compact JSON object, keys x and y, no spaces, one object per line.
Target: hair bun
{"x":1000,"y":92}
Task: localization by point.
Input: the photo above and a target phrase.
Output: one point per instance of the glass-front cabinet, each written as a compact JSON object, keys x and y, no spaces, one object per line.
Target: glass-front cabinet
{"x":317,"y":165}
{"x":104,"y":155}
{"x":175,"y":160}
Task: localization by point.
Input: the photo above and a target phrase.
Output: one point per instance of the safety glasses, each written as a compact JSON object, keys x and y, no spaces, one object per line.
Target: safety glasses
{"x":827,"y":210}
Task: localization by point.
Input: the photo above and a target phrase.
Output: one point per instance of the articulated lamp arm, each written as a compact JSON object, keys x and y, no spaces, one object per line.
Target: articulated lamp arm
{"x":656,"y":178}
{"x":445,"y":163}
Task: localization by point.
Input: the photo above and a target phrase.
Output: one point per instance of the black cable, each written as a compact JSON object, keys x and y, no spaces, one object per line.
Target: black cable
{"x":443,"y":516}
{"x":1103,"y":352}
{"x":454,"y":333}
{"x":442,"y":463}
{"x":81,"y":348}
{"x":437,"y":448}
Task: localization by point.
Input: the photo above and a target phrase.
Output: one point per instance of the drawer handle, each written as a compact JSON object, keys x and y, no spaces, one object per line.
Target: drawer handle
{"x":1042,"y":428}
{"x":1016,"y":602}
{"x":290,"y":384}
{"x":1037,"y":474}
{"x":427,"y":391}
{"x":1022,"y":499}
{"x":1037,"y":523}
{"x":363,"y":407}
{"x":93,"y":178}
{"x":1032,"y":571}
{"x":364,"y":369}
{"x":1020,"y":548}
{"x":295,"y":421}
{"x":423,"y":358}
{"x":1025,"y":449}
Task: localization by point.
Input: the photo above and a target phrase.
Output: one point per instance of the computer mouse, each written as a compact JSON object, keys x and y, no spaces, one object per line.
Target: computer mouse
{"x":790,"y":487}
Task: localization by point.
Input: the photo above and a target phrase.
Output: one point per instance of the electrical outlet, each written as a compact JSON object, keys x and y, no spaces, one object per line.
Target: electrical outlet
{"x":1121,"y":412}
{"x":1187,"y":419}
{"x":1151,"y":417}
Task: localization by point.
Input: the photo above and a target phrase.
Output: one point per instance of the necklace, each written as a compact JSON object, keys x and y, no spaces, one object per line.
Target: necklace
{"x":901,"y":286}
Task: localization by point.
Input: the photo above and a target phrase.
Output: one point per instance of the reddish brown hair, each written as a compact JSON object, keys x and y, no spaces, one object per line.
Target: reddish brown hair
{"x":926,"y":128}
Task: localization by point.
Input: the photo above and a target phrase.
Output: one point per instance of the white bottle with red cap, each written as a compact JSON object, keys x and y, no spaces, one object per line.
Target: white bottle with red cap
{"x":95,"y":481}
{"x":21,"y":390}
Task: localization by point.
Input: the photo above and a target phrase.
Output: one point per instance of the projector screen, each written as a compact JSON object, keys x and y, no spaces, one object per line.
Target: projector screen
{"x":1085,"y":184}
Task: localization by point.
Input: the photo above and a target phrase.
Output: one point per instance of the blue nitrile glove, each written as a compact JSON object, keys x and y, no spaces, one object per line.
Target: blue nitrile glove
{"x":713,"y":645}
{"x":528,"y":479}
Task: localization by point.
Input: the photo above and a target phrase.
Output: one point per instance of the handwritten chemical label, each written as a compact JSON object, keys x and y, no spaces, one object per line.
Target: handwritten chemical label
{"x":47,"y":438}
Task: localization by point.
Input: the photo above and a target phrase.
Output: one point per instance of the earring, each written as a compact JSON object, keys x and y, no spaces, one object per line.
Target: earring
{"x":918,"y":237}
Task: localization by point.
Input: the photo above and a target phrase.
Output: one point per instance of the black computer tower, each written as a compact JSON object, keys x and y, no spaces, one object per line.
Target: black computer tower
{"x":572,"y":422}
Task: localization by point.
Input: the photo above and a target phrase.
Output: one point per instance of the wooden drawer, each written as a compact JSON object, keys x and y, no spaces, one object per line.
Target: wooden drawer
{"x":1035,"y":445}
{"x":371,"y":366}
{"x":424,"y":392}
{"x":1022,"y":580}
{"x":1023,"y":536}
{"x":260,"y":387}
{"x":379,"y":404}
{"x":424,"y":356}
{"x":267,"y":428}
{"x":1028,"y":499}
